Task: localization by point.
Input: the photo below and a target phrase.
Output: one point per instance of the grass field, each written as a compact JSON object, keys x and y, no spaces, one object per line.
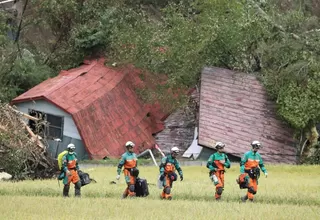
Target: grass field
{"x":289,"y":192}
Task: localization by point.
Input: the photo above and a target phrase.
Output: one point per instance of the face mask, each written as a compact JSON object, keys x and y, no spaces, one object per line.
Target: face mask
{"x":174,"y":154}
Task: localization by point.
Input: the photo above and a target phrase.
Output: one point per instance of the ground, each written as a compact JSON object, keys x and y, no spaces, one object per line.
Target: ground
{"x":290,"y":192}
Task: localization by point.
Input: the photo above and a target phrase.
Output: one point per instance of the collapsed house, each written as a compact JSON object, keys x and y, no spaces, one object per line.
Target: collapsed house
{"x":235,"y":109}
{"x":95,"y":107}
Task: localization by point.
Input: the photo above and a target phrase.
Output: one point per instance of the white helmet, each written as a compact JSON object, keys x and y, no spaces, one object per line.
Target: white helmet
{"x":219,"y":145}
{"x":175,"y":150}
{"x":130,"y":143}
{"x":256,"y":144}
{"x":71,"y":147}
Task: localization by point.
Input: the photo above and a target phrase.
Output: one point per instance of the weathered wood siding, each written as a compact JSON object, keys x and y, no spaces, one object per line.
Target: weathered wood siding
{"x":179,"y":128}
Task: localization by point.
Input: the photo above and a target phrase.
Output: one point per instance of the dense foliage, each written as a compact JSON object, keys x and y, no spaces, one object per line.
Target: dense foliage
{"x":277,"y":41}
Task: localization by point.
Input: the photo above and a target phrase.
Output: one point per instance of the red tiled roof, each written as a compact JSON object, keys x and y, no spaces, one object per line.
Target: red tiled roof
{"x":104,"y":106}
{"x":235,"y":109}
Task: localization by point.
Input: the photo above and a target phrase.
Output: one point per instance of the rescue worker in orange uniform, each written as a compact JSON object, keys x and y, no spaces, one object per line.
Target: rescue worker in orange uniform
{"x":70,"y":167}
{"x":250,"y":163}
{"x":167,"y":172}
{"x":216,"y":164}
{"x":131,"y":172}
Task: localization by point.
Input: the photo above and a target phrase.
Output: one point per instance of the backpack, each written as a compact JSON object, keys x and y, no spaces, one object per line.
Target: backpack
{"x":141,"y":187}
{"x":60,"y":156}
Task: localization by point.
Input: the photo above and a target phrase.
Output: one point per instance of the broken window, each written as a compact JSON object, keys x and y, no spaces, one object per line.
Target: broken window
{"x":53,"y":128}
{"x":37,"y":127}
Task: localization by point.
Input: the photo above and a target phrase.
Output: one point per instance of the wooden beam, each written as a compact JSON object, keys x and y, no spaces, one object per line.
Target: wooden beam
{"x":7,"y":1}
{"x":25,"y":115}
{"x":3,"y":128}
{"x":33,"y":136}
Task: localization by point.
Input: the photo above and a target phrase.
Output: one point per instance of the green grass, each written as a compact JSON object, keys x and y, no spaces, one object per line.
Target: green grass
{"x":290,"y":192}
{"x":115,"y":161}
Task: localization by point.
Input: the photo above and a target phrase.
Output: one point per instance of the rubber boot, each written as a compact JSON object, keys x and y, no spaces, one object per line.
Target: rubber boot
{"x":165,"y":196}
{"x":217,"y":196}
{"x":77,"y":189}
{"x":162,"y":195}
{"x":244,"y":198}
{"x":131,"y":192}
{"x":66,"y":190}
{"x":125,"y":194}
{"x":167,"y":193}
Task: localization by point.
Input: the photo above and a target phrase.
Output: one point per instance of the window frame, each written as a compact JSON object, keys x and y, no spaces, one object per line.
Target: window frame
{"x":48,"y":125}
{"x":54,"y":126}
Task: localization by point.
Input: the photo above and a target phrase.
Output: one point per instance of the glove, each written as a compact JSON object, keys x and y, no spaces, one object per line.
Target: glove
{"x":68,"y":173}
{"x":181,"y":178}
{"x":161,"y":177}
{"x":118,"y":177}
{"x":266,"y":174}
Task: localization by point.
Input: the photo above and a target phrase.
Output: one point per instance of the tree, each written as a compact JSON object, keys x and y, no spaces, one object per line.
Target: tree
{"x":241,"y":35}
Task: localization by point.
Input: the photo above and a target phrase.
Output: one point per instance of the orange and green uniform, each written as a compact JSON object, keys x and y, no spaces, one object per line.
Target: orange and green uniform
{"x":218,"y":169}
{"x":168,"y":167}
{"x":128,"y":161}
{"x":70,"y":163}
{"x":249,"y":162}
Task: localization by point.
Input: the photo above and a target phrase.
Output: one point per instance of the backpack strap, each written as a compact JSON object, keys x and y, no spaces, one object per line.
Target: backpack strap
{"x":163,"y":165}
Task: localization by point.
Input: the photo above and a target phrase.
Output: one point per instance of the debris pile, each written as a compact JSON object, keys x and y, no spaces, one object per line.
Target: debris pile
{"x":23,"y":154}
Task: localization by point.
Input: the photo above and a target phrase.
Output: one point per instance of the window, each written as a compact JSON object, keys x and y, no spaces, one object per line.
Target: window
{"x":55,"y":126}
{"x":52,"y":129}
